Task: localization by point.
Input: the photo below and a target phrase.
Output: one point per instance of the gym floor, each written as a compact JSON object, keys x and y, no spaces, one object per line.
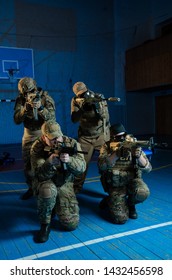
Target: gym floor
{"x":147,"y":238}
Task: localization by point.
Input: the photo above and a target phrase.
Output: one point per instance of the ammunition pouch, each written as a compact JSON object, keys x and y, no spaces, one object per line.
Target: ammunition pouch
{"x":118,"y":178}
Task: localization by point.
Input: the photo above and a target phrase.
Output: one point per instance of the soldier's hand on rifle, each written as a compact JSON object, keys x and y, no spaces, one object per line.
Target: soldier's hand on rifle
{"x":36,"y":104}
{"x":64,"y":157}
{"x":54,"y":159}
{"x":79,"y":102}
{"x":27,"y":107}
{"x":136,"y":152}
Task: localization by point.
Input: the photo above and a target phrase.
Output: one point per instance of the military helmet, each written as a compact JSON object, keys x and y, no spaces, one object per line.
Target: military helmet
{"x":79,"y":88}
{"x":51,"y":129}
{"x":26,"y":85}
{"x":117,"y":129}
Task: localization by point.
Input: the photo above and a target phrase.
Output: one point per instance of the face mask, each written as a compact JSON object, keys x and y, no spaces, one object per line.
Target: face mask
{"x":119,"y":138}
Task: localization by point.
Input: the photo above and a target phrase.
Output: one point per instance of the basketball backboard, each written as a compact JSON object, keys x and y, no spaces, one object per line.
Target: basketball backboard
{"x":16,"y":63}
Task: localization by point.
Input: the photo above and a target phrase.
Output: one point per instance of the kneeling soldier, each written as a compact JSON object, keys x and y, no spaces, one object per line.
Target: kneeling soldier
{"x":56,"y":159}
{"x":121,"y":163}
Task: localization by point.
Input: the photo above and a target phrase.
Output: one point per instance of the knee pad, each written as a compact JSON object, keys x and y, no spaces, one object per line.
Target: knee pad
{"x":142,"y":193}
{"x":47,"y":190}
{"x":140,"y":190}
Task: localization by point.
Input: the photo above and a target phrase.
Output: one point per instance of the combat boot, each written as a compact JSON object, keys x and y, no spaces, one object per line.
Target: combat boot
{"x":104,"y":203}
{"x":77,"y":188}
{"x":27,"y":194}
{"x":132,"y":212}
{"x":43,"y":233}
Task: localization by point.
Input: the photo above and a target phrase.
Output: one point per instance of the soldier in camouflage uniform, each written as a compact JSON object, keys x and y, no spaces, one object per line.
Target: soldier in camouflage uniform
{"x":94,"y":124}
{"x":54,"y":171}
{"x":121,"y":176}
{"x":24,"y":112}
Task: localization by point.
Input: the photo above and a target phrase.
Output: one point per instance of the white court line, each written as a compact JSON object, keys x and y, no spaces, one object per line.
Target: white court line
{"x":93,"y":241}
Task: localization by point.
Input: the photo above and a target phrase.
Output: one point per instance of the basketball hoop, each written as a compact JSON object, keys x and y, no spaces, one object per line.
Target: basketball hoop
{"x":12,"y":74}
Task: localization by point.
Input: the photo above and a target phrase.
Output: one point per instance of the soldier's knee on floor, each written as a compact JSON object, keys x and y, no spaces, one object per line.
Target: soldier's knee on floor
{"x":120,"y":220}
{"x":120,"y":216}
{"x":70,"y":224}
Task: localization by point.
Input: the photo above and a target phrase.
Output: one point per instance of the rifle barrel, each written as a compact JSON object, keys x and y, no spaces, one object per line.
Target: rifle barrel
{"x":113,"y":99}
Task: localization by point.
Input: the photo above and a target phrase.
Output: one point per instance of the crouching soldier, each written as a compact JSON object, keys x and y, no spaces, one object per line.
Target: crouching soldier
{"x":121,"y":166}
{"x":56,"y":159}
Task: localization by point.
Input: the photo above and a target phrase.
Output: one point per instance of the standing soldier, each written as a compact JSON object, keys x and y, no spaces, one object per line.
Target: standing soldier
{"x":121,"y":175}
{"x":56,"y":159}
{"x":32,"y":108}
{"x":93,"y":118}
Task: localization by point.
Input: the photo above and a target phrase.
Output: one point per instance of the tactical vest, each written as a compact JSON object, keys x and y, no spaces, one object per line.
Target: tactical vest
{"x":123,"y":171}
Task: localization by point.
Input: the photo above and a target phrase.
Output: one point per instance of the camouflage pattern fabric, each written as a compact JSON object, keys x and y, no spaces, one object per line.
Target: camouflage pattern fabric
{"x":27,"y":165}
{"x":67,"y":207}
{"x":54,"y":186}
{"x":118,"y":207}
{"x":93,"y":132}
{"x":88,"y":145}
{"x":123,"y":182}
{"x":138,"y":191}
{"x":93,"y":118}
{"x":27,"y":117}
{"x":47,"y":193}
{"x":32,"y":127}
{"x":63,"y":200}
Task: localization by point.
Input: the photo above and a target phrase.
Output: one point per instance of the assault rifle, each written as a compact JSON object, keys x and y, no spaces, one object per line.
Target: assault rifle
{"x":31,"y":98}
{"x":131,"y":142}
{"x":62,"y":149}
{"x":91,"y":98}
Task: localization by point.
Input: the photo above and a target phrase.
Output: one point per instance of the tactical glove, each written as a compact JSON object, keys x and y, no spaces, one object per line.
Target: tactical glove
{"x":136,"y":152}
{"x":27,"y":107}
{"x":79,"y":102}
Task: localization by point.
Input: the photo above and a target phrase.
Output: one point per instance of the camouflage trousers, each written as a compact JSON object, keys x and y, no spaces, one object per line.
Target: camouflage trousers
{"x":62,"y":200}
{"x":27,"y":164}
{"x":88,"y":145}
{"x":137,"y":191}
{"x":117,"y":204}
{"x":121,"y":198}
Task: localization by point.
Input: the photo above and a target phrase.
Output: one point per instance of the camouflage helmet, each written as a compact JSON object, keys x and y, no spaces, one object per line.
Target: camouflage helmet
{"x":26,"y":84}
{"x":51,"y":129}
{"x":79,"y":88}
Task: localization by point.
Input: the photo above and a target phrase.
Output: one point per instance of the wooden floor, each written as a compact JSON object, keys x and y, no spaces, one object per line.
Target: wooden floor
{"x":147,"y":238}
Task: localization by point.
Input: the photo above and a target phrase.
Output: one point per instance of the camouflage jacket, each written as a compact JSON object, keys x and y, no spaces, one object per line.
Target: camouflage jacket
{"x":44,"y":170}
{"x":125,"y":162}
{"x":93,"y":118}
{"x":27,"y":117}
